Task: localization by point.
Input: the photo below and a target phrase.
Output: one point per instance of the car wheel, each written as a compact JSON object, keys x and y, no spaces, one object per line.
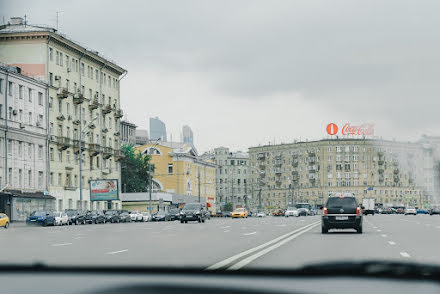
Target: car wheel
{"x":76,"y":222}
{"x":45,"y":223}
{"x":186,"y":222}
{"x":181,"y":221}
{"x":203,"y":220}
{"x":7,"y":225}
{"x":359,"y":230}
{"x":324,"y":230}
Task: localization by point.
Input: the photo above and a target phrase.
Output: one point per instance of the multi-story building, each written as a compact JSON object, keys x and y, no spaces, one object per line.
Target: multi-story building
{"x":187,"y":134}
{"x":83,"y":108}
{"x":158,"y":130}
{"x":232,"y":177}
{"x":127,"y":133}
{"x":394,"y":173}
{"x":23,"y":144}
{"x":179,"y":170}
{"x":141,"y":137}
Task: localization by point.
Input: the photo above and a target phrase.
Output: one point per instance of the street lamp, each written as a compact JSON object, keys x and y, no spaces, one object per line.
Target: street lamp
{"x":81,"y":136}
{"x":150,"y":172}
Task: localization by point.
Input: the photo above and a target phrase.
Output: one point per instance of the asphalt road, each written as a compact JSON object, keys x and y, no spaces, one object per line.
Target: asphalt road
{"x":225,"y":243}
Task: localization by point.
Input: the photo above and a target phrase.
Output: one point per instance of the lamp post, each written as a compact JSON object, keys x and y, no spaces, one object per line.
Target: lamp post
{"x":81,"y":136}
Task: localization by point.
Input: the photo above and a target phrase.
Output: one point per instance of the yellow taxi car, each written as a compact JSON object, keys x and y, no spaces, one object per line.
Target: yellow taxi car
{"x":240,"y":212}
{"x":4,"y":220}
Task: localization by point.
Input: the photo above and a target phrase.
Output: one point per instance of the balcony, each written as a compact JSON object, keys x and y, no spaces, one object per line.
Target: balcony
{"x":107,"y":109}
{"x":278,"y":171}
{"x":76,"y":122}
{"x":396,"y":171}
{"x":278,"y":157}
{"x":278,"y":162}
{"x":119,"y":113}
{"x":262,"y":175}
{"x":118,"y":154}
{"x":262,"y":166}
{"x":107,"y":152}
{"x":261,"y":156}
{"x":295,"y":163}
{"x":62,"y":93}
{"x":381,"y":178}
{"x":312,"y":154}
{"x":278,"y":183}
{"x":63,"y":143}
{"x":396,"y":179}
{"x":312,"y":180}
{"x":78,"y":98}
{"x":61,"y":117}
{"x":94,"y":149}
{"x":75,"y":145}
{"x":381,"y":170}
{"x":94,"y":104}
{"x":117,"y":133}
{"x":105,"y":130}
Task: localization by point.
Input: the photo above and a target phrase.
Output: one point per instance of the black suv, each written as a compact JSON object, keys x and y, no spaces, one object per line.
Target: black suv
{"x":193,"y":212}
{"x":95,"y":217}
{"x":112,"y":216}
{"x":76,"y":216}
{"x":342,"y":213}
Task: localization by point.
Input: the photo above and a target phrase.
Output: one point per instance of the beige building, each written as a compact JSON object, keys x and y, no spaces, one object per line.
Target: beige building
{"x":82,"y":85}
{"x":394,"y":173}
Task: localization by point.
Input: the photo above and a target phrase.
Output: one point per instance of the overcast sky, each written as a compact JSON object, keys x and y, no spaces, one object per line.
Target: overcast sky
{"x":243,"y":73}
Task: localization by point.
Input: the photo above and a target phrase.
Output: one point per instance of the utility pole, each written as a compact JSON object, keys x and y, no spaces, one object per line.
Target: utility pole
{"x":245,"y":195}
{"x":232,"y":189}
{"x":198,"y":176}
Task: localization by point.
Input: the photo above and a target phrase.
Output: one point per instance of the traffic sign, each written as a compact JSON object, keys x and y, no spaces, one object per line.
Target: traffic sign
{"x":332,"y":129}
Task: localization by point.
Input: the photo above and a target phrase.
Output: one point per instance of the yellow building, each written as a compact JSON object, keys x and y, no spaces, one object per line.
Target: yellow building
{"x":181,"y":172}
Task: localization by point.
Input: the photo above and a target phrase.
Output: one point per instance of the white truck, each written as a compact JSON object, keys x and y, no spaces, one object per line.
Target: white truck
{"x":368,"y":205}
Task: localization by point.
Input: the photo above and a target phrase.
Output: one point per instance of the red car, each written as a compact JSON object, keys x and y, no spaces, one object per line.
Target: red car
{"x":278,"y":213}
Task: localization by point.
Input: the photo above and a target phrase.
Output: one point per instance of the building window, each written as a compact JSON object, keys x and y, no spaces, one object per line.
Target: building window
{"x":51,"y":179}
{"x":40,"y":179}
{"x":50,"y":79}
{"x":30,"y":95}
{"x":40,"y":98}
{"x":30,"y":118}
{"x":10,"y":176}
{"x":59,"y":179}
{"x":51,"y":156}
{"x":30,"y":178}
{"x":10,"y":113}
{"x":60,"y":156}
{"x":50,"y":54}
{"x":20,"y":115}
{"x":40,"y":152}
{"x":20,"y":149}
{"x":170,"y":168}
{"x":9,"y":147}
{"x":20,"y":177}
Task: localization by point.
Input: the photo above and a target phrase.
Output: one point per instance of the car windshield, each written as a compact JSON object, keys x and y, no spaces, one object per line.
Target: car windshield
{"x":38,"y":213}
{"x":221,"y":134}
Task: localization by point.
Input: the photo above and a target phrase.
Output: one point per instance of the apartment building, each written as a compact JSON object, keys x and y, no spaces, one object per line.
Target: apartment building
{"x":23,"y":144}
{"x":83,"y":108}
{"x":394,"y":173}
{"x":128,"y":133}
{"x":232,"y":177}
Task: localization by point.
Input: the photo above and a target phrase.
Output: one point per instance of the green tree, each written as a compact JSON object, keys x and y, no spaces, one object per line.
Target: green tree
{"x":228,"y":206}
{"x":135,"y":170}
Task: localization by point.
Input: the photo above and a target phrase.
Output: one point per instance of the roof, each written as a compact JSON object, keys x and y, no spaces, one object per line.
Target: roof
{"x":19,"y":193}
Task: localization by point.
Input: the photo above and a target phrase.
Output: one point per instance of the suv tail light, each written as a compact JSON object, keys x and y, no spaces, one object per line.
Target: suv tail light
{"x":358,"y":211}
{"x":325,"y":211}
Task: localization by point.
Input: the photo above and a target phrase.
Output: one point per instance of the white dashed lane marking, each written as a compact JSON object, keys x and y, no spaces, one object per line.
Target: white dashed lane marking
{"x":247,"y":234}
{"x":404,"y":254}
{"x":62,"y":244}
{"x":391,"y":243}
{"x":116,"y":252}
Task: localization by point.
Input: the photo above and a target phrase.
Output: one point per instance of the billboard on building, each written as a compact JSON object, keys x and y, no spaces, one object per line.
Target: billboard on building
{"x":104,"y":190}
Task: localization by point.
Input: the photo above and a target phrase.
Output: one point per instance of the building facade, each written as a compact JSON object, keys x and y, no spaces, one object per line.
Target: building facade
{"x":127,"y":133}
{"x":83,"y":108}
{"x":23,"y":144}
{"x":141,"y":137}
{"x":158,"y":129}
{"x":180,"y":171}
{"x":232,"y":177}
{"x":187,"y":135}
{"x":394,"y":173}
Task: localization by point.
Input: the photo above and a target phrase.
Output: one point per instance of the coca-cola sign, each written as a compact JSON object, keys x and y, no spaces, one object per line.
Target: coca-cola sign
{"x":366,"y":129}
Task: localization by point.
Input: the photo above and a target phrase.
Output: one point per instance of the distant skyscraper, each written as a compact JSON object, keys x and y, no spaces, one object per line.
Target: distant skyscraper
{"x":187,"y":135}
{"x":157,"y":129}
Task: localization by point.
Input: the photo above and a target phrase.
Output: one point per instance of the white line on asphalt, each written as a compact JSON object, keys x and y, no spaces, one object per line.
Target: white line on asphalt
{"x":251,"y":258}
{"x":438,"y":227}
{"x":79,"y":237}
{"x":249,"y":251}
{"x":301,"y":220}
{"x":379,"y":231}
{"x":226,"y":231}
{"x":391,"y":243}
{"x":247,"y":234}
{"x":225,"y":227}
{"x":428,"y":225}
{"x":62,"y":244}
{"x":116,"y":252}
{"x":374,"y":227}
{"x":79,"y":234}
{"x":383,"y":235}
{"x":404,"y":254}
{"x":281,"y":225}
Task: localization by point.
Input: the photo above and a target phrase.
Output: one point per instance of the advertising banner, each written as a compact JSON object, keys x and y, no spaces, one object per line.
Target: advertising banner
{"x":104,"y":190}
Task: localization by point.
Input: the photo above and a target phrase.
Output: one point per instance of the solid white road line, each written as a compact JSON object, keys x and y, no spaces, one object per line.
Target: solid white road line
{"x":379,"y":231}
{"x":251,"y":258}
{"x":404,"y":254}
{"x":79,"y":237}
{"x":252,"y":250}
{"x":62,"y":244}
{"x":383,"y":235}
{"x":247,"y":234}
{"x":226,"y":231}
{"x":116,"y":252}
{"x":391,"y":243}
{"x":281,"y":225}
{"x":225,"y":227}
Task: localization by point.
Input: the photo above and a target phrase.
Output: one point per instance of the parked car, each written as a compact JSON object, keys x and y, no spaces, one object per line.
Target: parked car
{"x":161,"y":215}
{"x":227,"y":213}
{"x":175,"y":214}
{"x":4,"y":220}
{"x":341,"y":213}
{"x":44,"y":218}
{"x":136,"y":216}
{"x":61,"y":218}
{"x":124,"y":217}
{"x":146,"y":217}
{"x":422,"y":211}
{"x":434,"y":210}
{"x":219,"y":213}
{"x":240,"y":213}
{"x":193,"y":212}
{"x":410,"y":210}
{"x":76,"y":216}
{"x":95,"y":217}
{"x":400,"y":210}
{"x":112,"y":216}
